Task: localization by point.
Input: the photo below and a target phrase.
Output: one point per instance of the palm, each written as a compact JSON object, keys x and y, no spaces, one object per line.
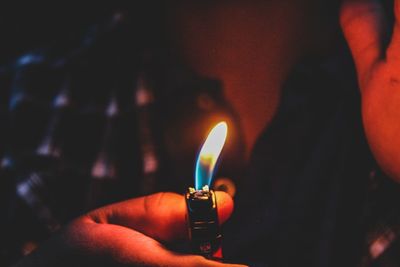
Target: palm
{"x":381,"y":114}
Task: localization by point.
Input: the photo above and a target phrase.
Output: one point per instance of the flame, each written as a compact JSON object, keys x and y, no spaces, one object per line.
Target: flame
{"x":209,"y":154}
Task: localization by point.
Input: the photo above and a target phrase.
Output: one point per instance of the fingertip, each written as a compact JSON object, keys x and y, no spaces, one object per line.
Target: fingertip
{"x":225,"y":205}
{"x":364,"y":27}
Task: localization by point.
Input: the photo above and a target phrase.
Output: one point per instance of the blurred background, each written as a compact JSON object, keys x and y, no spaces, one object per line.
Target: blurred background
{"x":108,"y":101}
{"x":93,"y":110}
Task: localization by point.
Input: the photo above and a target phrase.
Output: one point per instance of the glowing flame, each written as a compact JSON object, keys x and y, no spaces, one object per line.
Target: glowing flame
{"x":209,"y":154}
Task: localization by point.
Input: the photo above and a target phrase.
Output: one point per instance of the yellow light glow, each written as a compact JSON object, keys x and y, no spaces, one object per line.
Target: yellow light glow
{"x":214,"y":143}
{"x":209,"y":154}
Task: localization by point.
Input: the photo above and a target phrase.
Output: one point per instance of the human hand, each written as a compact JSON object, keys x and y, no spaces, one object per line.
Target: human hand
{"x":129,"y":233}
{"x":378,"y":69}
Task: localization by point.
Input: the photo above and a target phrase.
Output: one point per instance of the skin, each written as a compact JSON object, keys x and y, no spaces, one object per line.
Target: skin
{"x":244,"y":52}
{"x":129,"y":233}
{"x":252,"y":55}
{"x":378,"y":70}
{"x":249,"y":45}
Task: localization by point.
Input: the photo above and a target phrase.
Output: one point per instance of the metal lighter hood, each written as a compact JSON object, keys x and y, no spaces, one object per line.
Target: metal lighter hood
{"x":204,"y":230}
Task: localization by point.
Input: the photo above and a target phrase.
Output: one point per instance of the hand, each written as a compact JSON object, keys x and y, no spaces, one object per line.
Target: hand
{"x":129,"y":233}
{"x":378,"y":71}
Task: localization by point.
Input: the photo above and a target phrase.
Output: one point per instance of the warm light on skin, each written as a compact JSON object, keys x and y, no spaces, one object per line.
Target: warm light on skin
{"x":250,"y":46}
{"x":209,"y":154}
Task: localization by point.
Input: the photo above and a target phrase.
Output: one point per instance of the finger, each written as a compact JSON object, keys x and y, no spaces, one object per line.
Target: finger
{"x":363,"y":25}
{"x":126,"y":247}
{"x":393,"y":52}
{"x":161,"y":216}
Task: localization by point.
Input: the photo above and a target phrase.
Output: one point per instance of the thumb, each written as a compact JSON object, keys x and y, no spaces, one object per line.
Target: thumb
{"x":161,"y":216}
{"x":363,"y":25}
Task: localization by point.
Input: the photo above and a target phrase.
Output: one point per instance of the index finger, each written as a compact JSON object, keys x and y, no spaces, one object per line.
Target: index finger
{"x":161,"y":216}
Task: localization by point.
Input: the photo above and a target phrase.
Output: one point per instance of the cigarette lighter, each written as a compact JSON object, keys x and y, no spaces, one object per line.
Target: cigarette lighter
{"x":204,"y":230}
